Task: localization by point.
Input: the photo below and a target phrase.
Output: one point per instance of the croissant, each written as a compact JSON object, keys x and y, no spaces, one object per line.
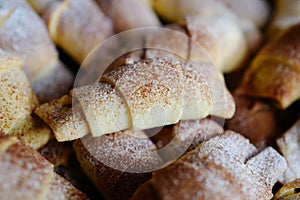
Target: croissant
{"x":32,"y":175}
{"x":148,"y":93}
{"x":212,"y":34}
{"x":77,"y":26}
{"x":274,"y":72}
{"x":118,"y":11}
{"x":17,"y":101}
{"x":224,"y":167}
{"x":248,"y":18}
{"x":127,"y":163}
{"x":23,"y":33}
{"x":289,"y":146}
{"x":134,"y":151}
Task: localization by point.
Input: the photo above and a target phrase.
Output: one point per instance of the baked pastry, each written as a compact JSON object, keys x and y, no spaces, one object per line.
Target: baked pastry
{"x":119,"y":12}
{"x":17,"y":102}
{"x":247,"y":15}
{"x":212,"y":34}
{"x":146,"y":94}
{"x":256,"y":120}
{"x":24,"y":34}
{"x":276,"y":62}
{"x":32,"y":177}
{"x":222,"y":168}
{"x":71,"y":21}
{"x":289,"y":146}
{"x":60,"y":116}
{"x":290,"y":191}
{"x":117,"y":163}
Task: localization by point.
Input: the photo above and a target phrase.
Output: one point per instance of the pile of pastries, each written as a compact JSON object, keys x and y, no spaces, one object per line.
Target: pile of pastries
{"x":207,"y":107}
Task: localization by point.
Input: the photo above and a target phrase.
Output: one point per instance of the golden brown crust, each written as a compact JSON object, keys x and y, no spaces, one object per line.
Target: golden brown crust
{"x":277,"y":62}
{"x":32,"y":131}
{"x":17,"y":98}
{"x":6,"y":142}
{"x":290,"y":191}
{"x":60,"y":116}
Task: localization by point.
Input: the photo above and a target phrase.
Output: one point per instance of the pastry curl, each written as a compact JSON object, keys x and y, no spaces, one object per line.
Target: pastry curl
{"x":146,"y":94}
{"x":77,"y":26}
{"x":221,"y":168}
{"x":274,"y":72}
{"x":24,"y":34}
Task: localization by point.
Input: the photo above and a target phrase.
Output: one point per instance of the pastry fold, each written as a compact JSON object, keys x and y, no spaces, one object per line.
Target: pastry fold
{"x":274,"y":72}
{"x":220,"y":168}
{"x":77,"y":26}
{"x":145,"y":94}
{"x":24,"y":34}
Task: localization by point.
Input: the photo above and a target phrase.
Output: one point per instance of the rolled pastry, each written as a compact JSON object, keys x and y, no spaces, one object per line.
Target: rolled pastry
{"x":217,"y":169}
{"x":24,"y":34}
{"x":77,"y":26}
{"x":149,"y":93}
{"x":17,"y":102}
{"x":274,"y":72}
